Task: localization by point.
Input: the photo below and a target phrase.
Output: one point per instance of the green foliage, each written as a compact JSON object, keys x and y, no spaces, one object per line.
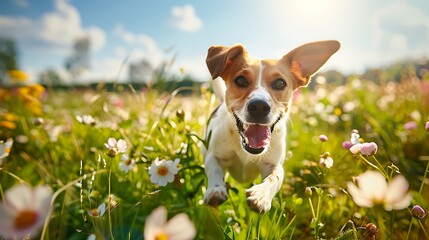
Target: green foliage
{"x":69,"y":155}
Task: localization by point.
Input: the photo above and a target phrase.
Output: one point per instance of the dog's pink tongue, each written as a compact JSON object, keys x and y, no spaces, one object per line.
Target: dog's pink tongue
{"x":258,"y":136}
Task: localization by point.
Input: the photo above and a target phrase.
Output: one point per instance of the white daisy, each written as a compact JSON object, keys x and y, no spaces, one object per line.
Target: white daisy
{"x":86,"y":119}
{"x":116,"y":146}
{"x":98,"y":212}
{"x":126,"y":164}
{"x":162,"y":172}
{"x":24,"y":211}
{"x":327,"y":162}
{"x":178,"y":228}
{"x":5,"y":148}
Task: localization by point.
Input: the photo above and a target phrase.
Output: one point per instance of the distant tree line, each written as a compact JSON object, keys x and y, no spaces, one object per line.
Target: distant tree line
{"x":143,"y":75}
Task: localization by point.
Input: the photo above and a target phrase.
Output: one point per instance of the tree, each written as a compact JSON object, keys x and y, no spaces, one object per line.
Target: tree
{"x":140,"y":72}
{"x":8,"y":57}
{"x":50,"y":77}
{"x":79,"y":59}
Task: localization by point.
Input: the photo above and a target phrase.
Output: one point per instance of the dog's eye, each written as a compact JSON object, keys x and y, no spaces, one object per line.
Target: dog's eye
{"x":279,"y":84}
{"x":241,"y":82}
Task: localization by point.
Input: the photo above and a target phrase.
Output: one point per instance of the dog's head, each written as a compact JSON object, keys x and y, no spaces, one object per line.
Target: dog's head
{"x":259,"y":91}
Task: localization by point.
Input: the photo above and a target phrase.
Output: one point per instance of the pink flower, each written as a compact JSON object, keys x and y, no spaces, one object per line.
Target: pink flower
{"x":369,"y":149}
{"x":347,"y":144}
{"x":411,"y":125}
{"x":418,"y":212}
{"x":427,"y":126}
{"x":323,"y":138}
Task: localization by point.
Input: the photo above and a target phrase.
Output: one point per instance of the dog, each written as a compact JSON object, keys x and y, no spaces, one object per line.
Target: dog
{"x":246,"y":134}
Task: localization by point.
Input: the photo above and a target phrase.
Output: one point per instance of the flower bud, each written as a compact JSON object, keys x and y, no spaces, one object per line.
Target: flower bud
{"x":38,"y":121}
{"x":308,"y":192}
{"x":323,"y":138}
{"x":347,"y":144}
{"x":418,"y":212}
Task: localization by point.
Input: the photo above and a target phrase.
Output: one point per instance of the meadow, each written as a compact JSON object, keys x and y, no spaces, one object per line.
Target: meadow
{"x":342,"y":138}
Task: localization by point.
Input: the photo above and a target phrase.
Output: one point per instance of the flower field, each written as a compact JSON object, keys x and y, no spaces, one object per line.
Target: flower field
{"x":96,"y":164}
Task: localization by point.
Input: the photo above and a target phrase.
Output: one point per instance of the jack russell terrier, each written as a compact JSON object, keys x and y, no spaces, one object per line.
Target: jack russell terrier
{"x":247,"y":133}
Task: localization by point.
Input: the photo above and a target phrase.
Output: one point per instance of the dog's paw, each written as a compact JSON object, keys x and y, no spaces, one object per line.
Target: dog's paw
{"x":258,"y":198}
{"x":215,"y":196}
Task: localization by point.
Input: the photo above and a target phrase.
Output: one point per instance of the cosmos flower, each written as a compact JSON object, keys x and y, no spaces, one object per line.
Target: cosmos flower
{"x":116,"y":146}
{"x":178,"y":228}
{"x":411,"y":125}
{"x":369,"y":149}
{"x":355,"y":149}
{"x":126,"y":164}
{"x":163,"y":172}
{"x":373,"y":190}
{"x":24,"y":211}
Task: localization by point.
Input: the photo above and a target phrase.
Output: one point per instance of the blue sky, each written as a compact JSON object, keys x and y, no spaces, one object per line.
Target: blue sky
{"x":372,"y":33}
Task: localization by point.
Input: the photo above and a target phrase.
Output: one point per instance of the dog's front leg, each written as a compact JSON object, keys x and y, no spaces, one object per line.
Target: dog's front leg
{"x":260,"y":196}
{"x":216,"y":192}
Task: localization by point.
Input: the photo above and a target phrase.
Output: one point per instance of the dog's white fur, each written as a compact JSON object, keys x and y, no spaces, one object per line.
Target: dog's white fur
{"x":228,"y":147}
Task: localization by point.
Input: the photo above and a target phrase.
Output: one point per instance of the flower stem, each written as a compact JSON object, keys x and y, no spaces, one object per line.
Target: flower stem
{"x":312,"y":208}
{"x":423,"y":228}
{"x":108,"y":206}
{"x":409,"y":228}
{"x":424,"y":179}
{"x":381,"y":167}
{"x":372,"y":165}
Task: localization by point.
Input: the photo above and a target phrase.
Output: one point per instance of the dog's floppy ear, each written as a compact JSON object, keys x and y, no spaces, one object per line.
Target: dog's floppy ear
{"x":219,"y":58}
{"x":305,"y":60}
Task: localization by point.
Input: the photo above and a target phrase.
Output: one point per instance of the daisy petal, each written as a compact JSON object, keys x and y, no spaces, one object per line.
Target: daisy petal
{"x":19,"y":197}
{"x":180,"y":228}
{"x":155,"y":221}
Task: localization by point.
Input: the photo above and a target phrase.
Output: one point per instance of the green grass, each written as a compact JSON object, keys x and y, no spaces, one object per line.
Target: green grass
{"x":71,"y":158}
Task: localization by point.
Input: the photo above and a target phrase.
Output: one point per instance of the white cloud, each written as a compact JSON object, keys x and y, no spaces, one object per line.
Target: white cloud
{"x":140,"y":46}
{"x":185,"y":18}
{"x":400,"y":29}
{"x":195,"y":67}
{"x":108,"y":69}
{"x":55,"y":31}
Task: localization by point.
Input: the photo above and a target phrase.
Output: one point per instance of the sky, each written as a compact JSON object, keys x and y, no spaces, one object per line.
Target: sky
{"x":372,"y":33}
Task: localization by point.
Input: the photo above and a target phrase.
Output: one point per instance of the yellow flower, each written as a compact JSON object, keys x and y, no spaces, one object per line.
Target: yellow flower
{"x":10,"y":117}
{"x":7,"y":120}
{"x":17,"y":76}
{"x":7,"y":124}
{"x":4,"y":94}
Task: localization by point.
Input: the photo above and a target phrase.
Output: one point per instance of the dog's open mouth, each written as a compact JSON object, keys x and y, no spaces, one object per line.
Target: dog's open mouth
{"x":255,"y":138}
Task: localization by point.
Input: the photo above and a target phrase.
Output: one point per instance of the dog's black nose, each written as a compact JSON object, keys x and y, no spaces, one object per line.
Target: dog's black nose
{"x":258,"y":109}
